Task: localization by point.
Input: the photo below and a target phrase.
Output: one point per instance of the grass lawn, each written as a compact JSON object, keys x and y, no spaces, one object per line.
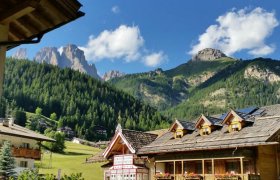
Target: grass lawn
{"x":72,"y":162}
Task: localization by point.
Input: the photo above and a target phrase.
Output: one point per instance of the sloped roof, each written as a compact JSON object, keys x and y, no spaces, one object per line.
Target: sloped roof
{"x":212,"y":120}
{"x":134,"y":140}
{"x":19,"y":131}
{"x":215,"y":121}
{"x":158,"y":132}
{"x":29,"y":19}
{"x":265,"y":126}
{"x":187,"y":125}
{"x":98,"y":157}
{"x":138,"y":139}
{"x":183,"y":124}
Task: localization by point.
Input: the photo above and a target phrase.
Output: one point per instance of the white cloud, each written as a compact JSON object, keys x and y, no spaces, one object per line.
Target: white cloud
{"x":116,"y":9}
{"x":154,"y":59}
{"x":123,"y":42}
{"x":240,"y":30}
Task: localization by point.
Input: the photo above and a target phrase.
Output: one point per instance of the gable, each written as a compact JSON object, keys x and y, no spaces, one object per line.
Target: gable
{"x":232,"y":116}
{"x":202,"y":121}
{"x":176,"y":125}
{"x":118,"y":145}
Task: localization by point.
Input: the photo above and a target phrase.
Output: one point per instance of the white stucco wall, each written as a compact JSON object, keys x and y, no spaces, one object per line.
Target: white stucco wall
{"x":18,"y":141}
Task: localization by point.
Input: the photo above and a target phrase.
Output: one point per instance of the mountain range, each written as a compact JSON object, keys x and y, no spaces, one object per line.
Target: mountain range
{"x":209,"y":83}
{"x":69,"y":56}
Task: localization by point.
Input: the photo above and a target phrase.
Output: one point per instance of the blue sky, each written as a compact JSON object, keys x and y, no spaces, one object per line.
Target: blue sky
{"x":136,"y":36}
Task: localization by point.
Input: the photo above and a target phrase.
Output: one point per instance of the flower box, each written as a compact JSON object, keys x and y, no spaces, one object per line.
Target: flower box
{"x":162,"y":176}
{"x":227,"y":177}
{"x":192,"y":176}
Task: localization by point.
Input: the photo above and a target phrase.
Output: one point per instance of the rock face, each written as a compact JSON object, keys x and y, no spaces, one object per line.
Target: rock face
{"x":71,"y":57}
{"x":21,"y":53}
{"x":112,"y":74}
{"x":201,"y":78}
{"x":49,"y":55}
{"x":264,"y":75}
{"x":208,"y":54}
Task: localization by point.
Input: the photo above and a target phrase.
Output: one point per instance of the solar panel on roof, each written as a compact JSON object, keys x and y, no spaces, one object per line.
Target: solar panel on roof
{"x":248,"y":110}
{"x":223,"y":116}
{"x":258,"y":112}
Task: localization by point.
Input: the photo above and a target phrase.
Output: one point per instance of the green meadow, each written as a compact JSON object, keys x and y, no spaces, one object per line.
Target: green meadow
{"x":72,"y":161}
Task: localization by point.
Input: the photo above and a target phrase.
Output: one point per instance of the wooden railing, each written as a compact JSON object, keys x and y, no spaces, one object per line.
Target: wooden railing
{"x":27,"y":153}
{"x":210,"y":177}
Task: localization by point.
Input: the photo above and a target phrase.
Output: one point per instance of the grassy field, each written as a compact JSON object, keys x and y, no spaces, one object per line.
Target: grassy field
{"x":72,"y":162}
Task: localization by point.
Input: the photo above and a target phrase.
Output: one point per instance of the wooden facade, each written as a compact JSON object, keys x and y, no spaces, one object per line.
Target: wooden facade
{"x":240,"y":145}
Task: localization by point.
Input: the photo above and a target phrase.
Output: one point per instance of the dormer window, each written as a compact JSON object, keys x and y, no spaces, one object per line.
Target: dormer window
{"x":206,"y":125}
{"x":181,"y":128}
{"x":235,"y":121}
{"x":205,"y":130}
{"x":235,"y":127}
{"x":179,"y":133}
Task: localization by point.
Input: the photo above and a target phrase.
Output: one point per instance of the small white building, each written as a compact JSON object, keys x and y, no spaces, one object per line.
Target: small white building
{"x":25,"y":143}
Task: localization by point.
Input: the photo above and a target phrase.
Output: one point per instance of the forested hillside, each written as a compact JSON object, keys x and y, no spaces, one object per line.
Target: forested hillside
{"x":245,"y":83}
{"x":207,"y":87}
{"x":79,"y":101}
{"x":166,"y":89}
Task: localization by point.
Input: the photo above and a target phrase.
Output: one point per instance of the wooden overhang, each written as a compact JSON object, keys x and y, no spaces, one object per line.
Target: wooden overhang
{"x":30,"y":19}
{"x":26,"y":21}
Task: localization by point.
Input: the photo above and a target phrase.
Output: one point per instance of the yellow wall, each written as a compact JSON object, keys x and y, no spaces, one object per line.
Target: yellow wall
{"x":266,"y":162}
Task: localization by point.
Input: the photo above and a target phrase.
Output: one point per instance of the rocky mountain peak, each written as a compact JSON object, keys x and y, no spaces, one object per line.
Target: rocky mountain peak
{"x":208,"y":54}
{"x":49,"y":55}
{"x":112,"y":74}
{"x":71,"y":57}
{"x":21,"y":53}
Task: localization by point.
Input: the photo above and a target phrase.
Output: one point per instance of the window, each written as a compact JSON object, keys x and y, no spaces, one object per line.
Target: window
{"x":233,"y":167}
{"x":23,"y":164}
{"x":208,"y":167}
{"x":205,"y":131}
{"x":234,"y":127}
{"x":26,"y":145}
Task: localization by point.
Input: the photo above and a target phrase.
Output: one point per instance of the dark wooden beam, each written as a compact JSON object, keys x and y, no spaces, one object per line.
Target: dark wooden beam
{"x":43,"y":21}
{"x":54,"y":12}
{"x":18,"y":11}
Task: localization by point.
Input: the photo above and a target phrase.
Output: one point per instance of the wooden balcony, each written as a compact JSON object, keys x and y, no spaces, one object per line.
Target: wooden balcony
{"x":27,"y":153}
{"x":210,"y":177}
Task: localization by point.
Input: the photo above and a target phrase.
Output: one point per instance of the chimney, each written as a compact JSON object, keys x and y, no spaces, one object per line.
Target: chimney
{"x":8,"y":122}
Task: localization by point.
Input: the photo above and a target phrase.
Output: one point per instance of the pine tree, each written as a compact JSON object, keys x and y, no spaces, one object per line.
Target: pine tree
{"x":7,"y":161}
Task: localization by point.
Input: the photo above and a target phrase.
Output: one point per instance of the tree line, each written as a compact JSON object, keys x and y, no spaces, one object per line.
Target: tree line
{"x":77,"y":100}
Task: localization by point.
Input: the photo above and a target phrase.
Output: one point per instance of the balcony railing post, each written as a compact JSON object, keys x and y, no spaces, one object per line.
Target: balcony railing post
{"x":182,"y":164}
{"x":213,"y":168}
{"x":174,"y":168}
{"x":203,"y":168}
{"x":241,"y":167}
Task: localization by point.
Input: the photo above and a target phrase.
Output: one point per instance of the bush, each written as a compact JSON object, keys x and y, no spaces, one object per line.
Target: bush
{"x":59,"y":137}
{"x":30,"y":174}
